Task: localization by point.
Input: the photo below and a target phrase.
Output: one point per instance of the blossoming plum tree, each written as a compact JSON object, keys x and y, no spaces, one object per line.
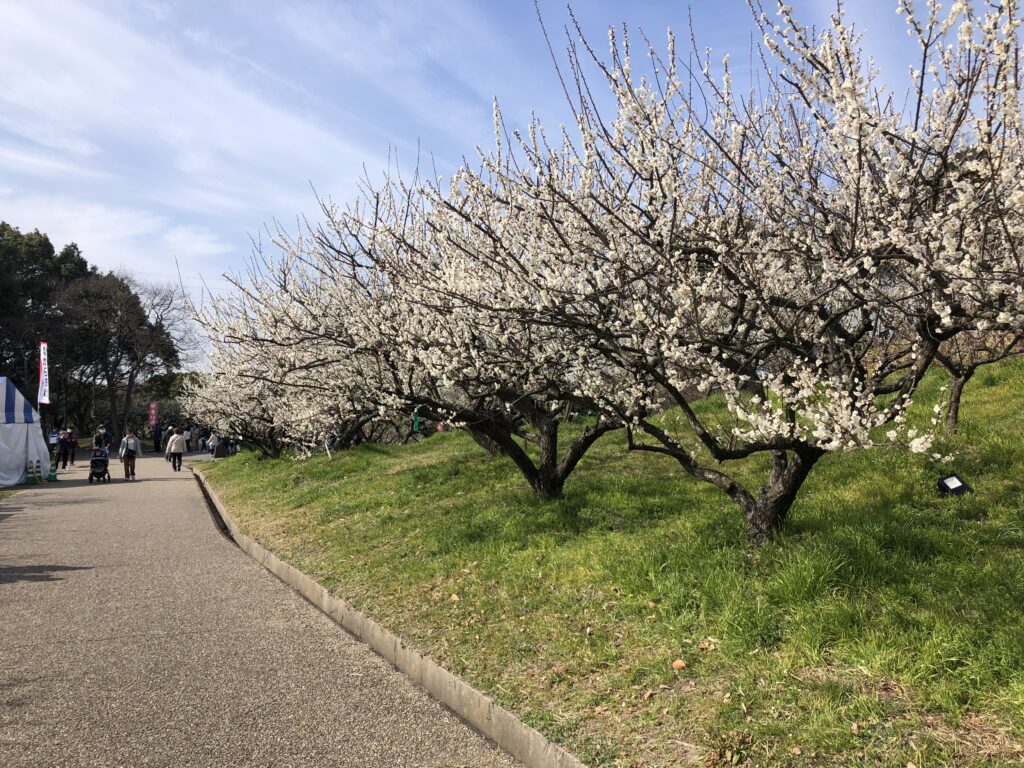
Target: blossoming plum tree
{"x":964,"y":354}
{"x":798,"y":254}
{"x":446,"y":318}
{"x":730,"y":276}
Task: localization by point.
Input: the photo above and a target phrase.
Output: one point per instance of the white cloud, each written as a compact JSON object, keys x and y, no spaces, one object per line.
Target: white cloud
{"x":80,"y":81}
{"x":191,"y":241}
{"x":126,"y":239}
{"x":423,"y":56}
{"x":114,"y":136}
{"x":101,"y":229}
{"x":42,"y":163}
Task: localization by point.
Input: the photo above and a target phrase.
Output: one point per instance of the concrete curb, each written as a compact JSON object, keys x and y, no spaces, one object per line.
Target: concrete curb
{"x":499,"y":725}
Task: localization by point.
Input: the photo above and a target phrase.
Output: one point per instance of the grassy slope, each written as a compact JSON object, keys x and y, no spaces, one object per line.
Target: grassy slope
{"x":884,"y":627}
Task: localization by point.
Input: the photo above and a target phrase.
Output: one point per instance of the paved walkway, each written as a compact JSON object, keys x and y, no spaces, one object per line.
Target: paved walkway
{"x":133,"y":634}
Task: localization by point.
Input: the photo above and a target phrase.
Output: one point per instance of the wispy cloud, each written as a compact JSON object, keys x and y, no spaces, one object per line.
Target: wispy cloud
{"x":151,"y":130}
{"x":126,"y":239}
{"x":192,"y":242}
{"x":129,"y":119}
{"x":34,"y":162}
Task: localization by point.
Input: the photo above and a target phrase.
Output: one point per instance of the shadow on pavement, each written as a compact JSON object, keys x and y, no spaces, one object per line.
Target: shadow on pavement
{"x":66,"y":483}
{"x":9,"y":510}
{"x":11,"y":574}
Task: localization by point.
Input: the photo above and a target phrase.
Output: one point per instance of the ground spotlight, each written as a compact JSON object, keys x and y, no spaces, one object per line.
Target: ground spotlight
{"x":953,"y":485}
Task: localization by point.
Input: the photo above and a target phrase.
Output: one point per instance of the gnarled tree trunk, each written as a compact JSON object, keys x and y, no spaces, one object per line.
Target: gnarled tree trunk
{"x":956,"y":391}
{"x":491,"y":448}
{"x":764,"y":513}
{"x":767,"y":513}
{"x":546,"y":476}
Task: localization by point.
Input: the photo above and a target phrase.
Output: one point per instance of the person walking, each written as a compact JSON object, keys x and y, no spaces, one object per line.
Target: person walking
{"x":73,"y":444}
{"x":130,"y":449}
{"x":63,"y":448}
{"x":187,"y":434}
{"x":102,"y":438}
{"x":175,"y":448}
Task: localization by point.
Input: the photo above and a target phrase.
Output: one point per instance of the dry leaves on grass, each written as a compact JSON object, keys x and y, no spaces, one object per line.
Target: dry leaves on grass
{"x":974,"y":737}
{"x":978,"y":736}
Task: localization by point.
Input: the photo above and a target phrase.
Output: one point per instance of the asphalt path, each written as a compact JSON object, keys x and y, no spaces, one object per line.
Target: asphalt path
{"x":133,"y":634}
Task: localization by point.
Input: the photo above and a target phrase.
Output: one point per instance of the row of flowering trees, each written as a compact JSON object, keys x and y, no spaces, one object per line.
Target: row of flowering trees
{"x":800,"y":253}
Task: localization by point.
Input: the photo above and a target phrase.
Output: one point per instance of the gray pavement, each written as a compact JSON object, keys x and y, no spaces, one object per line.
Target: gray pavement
{"x":133,"y":634}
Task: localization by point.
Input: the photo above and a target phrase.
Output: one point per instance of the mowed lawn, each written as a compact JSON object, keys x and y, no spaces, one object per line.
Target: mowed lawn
{"x":884,"y":628}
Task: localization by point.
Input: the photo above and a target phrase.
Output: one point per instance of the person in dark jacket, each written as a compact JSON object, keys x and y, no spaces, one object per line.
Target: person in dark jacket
{"x":102,"y":438}
{"x":73,"y":444}
{"x":63,"y":448}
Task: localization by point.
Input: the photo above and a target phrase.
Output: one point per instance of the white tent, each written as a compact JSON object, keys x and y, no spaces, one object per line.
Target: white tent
{"x":21,"y":436}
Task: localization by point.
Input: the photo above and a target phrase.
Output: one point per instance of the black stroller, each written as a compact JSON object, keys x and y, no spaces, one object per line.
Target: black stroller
{"x":99,"y":466}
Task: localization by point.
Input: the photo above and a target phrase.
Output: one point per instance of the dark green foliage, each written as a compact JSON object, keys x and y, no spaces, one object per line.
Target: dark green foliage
{"x":103,"y":342}
{"x":32,"y":276}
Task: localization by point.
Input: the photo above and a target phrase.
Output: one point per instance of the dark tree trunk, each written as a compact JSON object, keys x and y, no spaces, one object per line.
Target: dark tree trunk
{"x":352,"y":430}
{"x":567,"y":411}
{"x":956,"y":390}
{"x":129,"y":395}
{"x":542,"y":476}
{"x":548,"y":482}
{"x":768,"y":511}
{"x":547,"y":475}
{"x":269,"y":447}
{"x":115,"y":427}
{"x":765,"y":513}
{"x":489,"y":445}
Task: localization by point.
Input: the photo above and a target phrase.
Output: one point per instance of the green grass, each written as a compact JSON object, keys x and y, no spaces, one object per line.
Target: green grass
{"x":883,"y":627}
{"x":6,"y":493}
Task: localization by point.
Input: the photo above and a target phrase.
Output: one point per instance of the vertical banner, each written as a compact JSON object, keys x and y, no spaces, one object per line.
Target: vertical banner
{"x":43,"y":397}
{"x":154,"y":408}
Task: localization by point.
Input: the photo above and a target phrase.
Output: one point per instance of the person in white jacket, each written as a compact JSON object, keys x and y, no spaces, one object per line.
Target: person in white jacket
{"x":175,"y":448}
{"x":130,"y":448}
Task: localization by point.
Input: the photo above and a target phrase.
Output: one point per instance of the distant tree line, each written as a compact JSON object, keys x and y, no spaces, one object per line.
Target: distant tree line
{"x":114,"y":343}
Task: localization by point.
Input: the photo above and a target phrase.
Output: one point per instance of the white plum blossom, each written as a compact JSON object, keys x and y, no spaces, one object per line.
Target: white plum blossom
{"x":726,"y":275}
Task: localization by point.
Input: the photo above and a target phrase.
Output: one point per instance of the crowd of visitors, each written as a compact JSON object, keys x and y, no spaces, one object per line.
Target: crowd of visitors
{"x":173,"y":442}
{"x":194,"y":439}
{"x":64,"y":446}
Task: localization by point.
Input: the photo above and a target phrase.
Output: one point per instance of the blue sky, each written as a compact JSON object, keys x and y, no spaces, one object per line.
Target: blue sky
{"x":153,"y":131}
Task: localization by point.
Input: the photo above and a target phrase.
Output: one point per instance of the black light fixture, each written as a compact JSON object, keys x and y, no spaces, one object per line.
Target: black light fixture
{"x":954,"y":485}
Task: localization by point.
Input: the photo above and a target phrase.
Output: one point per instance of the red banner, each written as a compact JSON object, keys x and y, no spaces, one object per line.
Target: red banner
{"x":154,"y":410}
